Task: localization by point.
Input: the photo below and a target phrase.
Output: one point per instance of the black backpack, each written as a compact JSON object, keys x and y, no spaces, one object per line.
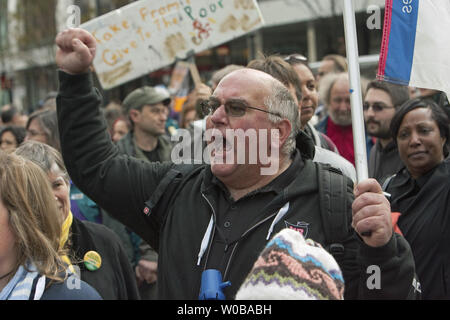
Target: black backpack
{"x":334,"y":205}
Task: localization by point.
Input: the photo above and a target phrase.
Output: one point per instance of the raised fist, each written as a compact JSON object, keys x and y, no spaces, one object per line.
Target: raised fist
{"x":76,"y":50}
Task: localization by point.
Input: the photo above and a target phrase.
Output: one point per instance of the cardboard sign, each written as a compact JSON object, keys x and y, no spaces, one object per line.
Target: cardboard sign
{"x":179,"y":84}
{"x":179,"y":73}
{"x":147,"y":35}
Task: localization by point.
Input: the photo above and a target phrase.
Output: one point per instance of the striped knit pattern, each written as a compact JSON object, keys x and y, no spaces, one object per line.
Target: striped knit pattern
{"x":292,"y":268}
{"x":20,"y":286}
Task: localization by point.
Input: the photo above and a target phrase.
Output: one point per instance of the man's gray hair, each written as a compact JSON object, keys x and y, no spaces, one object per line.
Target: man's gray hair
{"x":280,"y":101}
{"x":329,"y":80}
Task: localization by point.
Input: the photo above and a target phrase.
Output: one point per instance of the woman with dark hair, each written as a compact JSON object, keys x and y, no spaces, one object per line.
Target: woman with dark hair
{"x":420,"y":192}
{"x":309,"y":101}
{"x":11,"y":137}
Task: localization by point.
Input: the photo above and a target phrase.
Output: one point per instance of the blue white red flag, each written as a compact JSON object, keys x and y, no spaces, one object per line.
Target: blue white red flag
{"x":415,"y":48}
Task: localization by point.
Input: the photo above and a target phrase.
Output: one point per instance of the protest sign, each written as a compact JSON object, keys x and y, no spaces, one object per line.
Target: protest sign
{"x":179,"y":84}
{"x":179,"y":74}
{"x":147,"y":35}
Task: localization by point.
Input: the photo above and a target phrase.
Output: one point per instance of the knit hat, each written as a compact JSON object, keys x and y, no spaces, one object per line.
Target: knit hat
{"x":146,"y":96}
{"x":290,"y":268}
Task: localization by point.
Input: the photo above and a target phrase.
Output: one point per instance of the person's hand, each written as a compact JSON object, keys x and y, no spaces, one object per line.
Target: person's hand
{"x":372,"y":214}
{"x":76,"y":50}
{"x":146,"y":271}
{"x":202,"y":91}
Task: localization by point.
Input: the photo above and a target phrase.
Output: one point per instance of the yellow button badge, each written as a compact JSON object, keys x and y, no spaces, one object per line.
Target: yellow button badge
{"x":92,"y":260}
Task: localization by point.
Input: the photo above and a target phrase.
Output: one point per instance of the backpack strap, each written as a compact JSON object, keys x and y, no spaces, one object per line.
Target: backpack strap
{"x":172,"y":182}
{"x":161,"y":189}
{"x":333,"y":207}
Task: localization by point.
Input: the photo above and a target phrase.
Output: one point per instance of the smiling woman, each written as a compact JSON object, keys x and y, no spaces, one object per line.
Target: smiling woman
{"x":421,"y":131}
{"x":308,"y":101}
{"x":421,"y":191}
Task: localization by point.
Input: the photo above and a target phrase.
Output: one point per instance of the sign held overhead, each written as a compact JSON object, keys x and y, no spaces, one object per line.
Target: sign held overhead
{"x":147,"y":35}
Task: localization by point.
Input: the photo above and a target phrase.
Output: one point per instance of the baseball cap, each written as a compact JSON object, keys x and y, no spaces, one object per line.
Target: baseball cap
{"x":146,"y":96}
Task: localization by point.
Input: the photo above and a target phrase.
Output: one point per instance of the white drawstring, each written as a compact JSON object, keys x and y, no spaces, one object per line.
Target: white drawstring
{"x":204,"y":245}
{"x":278,"y":217}
{"x":205,"y":240}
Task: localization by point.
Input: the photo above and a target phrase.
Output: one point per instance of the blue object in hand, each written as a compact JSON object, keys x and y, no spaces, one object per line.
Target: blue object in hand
{"x":212,"y":285}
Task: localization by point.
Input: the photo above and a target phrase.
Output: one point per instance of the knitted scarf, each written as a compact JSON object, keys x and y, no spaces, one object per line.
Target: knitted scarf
{"x":65,"y":231}
{"x":26,"y":284}
{"x":65,"y":236}
{"x":20,"y":287}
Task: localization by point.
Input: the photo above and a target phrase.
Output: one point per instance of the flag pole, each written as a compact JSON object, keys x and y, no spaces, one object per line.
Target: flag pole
{"x":359,"y":137}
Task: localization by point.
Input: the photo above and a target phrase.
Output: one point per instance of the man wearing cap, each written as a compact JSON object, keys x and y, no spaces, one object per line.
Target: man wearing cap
{"x":147,"y":108}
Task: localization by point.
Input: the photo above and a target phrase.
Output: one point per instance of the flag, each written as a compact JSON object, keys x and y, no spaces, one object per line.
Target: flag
{"x":415,"y":48}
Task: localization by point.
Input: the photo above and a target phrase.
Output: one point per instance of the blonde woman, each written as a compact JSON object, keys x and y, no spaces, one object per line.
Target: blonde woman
{"x":93,"y":249}
{"x":30,"y":228}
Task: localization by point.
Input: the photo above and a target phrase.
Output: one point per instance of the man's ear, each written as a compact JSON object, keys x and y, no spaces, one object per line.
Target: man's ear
{"x":134,"y":114}
{"x":284,"y":127}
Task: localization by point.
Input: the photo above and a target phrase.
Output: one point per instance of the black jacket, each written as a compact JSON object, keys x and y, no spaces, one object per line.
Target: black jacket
{"x":176,"y":218}
{"x":424,"y":204}
{"x":115,"y":279}
{"x":384,"y":162}
{"x":127,"y":145}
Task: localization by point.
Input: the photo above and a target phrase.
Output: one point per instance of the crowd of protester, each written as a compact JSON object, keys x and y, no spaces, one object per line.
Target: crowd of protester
{"x":91,"y":193}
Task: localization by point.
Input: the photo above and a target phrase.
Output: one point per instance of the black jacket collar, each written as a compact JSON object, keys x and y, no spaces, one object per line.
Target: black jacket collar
{"x":82,"y":242}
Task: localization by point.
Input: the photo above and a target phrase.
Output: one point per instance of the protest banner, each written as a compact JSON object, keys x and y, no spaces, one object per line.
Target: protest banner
{"x":147,"y":35}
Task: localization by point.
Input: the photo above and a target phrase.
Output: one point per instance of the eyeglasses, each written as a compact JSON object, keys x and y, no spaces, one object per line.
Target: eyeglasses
{"x":233,"y":108}
{"x":296,"y":57}
{"x":376,"y":106}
